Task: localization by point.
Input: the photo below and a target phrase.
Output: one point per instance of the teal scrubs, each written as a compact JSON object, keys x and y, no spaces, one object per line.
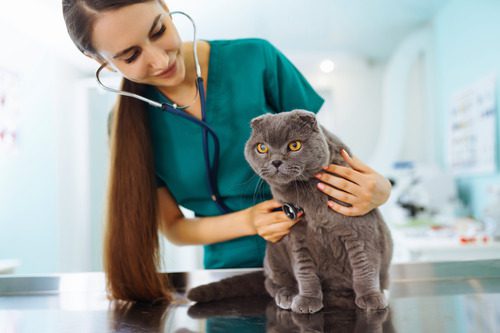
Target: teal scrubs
{"x":246,"y":78}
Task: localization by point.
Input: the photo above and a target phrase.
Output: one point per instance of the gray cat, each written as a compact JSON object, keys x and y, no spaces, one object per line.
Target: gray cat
{"x":327,"y":258}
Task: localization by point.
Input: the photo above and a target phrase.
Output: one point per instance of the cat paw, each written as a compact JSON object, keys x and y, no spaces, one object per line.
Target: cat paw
{"x":375,"y":301}
{"x":304,"y":304}
{"x":284,"y":298}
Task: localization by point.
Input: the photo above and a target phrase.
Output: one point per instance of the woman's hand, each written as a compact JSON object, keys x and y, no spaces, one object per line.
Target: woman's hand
{"x":360,"y":186}
{"x":270,"y":225}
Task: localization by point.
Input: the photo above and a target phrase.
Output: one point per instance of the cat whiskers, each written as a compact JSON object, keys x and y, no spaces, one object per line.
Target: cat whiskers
{"x":260,"y":184}
{"x":258,"y":187}
{"x":265,"y":172}
{"x":295,"y":171}
{"x":248,"y":180}
{"x":245,"y":183}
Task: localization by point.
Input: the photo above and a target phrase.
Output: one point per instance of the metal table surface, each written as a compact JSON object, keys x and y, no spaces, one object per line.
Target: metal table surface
{"x":424,"y":297}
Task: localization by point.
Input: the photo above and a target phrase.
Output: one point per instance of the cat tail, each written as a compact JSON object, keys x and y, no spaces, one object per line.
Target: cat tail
{"x":250,"y":284}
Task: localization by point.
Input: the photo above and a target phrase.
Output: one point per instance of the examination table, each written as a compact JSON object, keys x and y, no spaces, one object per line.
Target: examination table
{"x":424,"y":297}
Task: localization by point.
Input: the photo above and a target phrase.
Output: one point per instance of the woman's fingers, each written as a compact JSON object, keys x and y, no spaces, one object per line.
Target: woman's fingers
{"x":347,"y":211}
{"x":269,"y":205}
{"x":356,"y":184}
{"x":270,"y":224}
{"x":354,"y":172}
{"x":344,"y":172}
{"x":337,"y":194}
{"x":338,"y":182}
{"x":277,"y":237}
{"x":275,"y":226}
{"x":276,"y":229}
{"x":355,"y":162}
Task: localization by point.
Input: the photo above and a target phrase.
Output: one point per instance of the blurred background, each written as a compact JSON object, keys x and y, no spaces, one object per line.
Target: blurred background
{"x":410,"y":86}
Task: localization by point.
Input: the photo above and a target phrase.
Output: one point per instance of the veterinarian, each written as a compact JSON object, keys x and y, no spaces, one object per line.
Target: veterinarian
{"x":157,"y":160}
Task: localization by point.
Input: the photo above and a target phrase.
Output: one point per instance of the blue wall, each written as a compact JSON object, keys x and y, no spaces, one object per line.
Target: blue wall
{"x":467,"y":44}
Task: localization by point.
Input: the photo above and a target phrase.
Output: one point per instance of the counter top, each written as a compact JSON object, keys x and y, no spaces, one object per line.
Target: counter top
{"x":424,"y":297}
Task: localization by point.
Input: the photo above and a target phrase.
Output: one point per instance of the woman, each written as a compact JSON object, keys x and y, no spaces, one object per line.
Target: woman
{"x":156,"y":158}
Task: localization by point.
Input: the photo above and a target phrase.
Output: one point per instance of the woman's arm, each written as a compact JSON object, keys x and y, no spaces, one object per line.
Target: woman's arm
{"x":259,"y":219}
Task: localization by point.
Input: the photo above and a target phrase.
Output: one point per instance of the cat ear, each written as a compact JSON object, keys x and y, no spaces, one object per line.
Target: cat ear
{"x":307,"y":118}
{"x":255,"y":123}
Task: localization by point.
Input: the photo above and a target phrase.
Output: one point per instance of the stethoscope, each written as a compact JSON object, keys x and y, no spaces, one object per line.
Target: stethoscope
{"x":290,"y":210}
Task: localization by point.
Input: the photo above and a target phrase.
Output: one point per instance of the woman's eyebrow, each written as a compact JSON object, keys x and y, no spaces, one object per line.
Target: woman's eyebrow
{"x":128,"y":49}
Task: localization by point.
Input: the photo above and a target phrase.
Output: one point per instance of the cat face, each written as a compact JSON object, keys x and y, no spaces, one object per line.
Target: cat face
{"x":286,"y":147}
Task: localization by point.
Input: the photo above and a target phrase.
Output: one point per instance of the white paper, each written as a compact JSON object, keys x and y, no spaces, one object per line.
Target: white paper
{"x":472,"y":129}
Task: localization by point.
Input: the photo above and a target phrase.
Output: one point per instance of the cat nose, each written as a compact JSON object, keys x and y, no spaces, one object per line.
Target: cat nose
{"x":277,"y":163}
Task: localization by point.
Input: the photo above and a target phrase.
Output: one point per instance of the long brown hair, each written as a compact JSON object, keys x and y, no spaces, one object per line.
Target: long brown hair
{"x":131,"y":244}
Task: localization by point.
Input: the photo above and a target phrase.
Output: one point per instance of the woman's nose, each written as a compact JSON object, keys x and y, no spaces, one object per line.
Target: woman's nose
{"x":157,"y":58}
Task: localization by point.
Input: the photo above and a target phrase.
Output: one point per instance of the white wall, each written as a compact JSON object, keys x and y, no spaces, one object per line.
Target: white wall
{"x":36,"y":189}
{"x":353,"y":106}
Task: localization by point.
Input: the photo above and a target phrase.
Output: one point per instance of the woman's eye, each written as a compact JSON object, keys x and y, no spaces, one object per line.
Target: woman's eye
{"x":156,"y":35}
{"x":160,"y":32}
{"x":132,"y":57}
{"x":262,"y":148}
{"x":295,"y":145}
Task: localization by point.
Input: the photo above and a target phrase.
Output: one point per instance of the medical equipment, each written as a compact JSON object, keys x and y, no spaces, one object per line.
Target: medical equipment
{"x":291,"y":211}
{"x":211,"y":168}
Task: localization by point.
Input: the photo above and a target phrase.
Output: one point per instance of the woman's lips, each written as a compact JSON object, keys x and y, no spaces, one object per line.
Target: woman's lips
{"x":170,"y":71}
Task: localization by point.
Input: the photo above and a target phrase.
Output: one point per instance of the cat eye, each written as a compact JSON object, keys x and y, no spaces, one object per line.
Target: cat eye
{"x":262,"y":148}
{"x":295,"y":145}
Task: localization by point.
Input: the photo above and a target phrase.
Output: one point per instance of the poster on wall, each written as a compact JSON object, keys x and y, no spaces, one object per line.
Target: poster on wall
{"x":472,"y":129}
{"x":9,"y":110}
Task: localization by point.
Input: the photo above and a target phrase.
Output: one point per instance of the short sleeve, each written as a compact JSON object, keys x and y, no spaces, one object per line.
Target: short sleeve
{"x":286,"y":88}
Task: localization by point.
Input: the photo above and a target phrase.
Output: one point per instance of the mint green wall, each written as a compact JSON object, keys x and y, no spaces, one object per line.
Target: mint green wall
{"x":467,"y":48}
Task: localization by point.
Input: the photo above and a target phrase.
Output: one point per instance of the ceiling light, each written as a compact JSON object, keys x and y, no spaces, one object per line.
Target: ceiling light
{"x":327,"y":66}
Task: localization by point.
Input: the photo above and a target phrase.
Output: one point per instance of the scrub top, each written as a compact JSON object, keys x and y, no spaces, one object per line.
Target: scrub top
{"x":246,"y":78}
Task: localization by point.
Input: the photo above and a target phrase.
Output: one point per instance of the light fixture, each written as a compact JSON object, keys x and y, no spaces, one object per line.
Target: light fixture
{"x":327,"y":66}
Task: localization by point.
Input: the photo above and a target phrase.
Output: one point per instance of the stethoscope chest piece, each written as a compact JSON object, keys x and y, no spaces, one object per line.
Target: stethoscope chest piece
{"x":291,"y":211}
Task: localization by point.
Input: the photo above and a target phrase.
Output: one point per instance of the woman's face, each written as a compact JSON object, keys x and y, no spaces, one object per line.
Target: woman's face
{"x":141,"y":42}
